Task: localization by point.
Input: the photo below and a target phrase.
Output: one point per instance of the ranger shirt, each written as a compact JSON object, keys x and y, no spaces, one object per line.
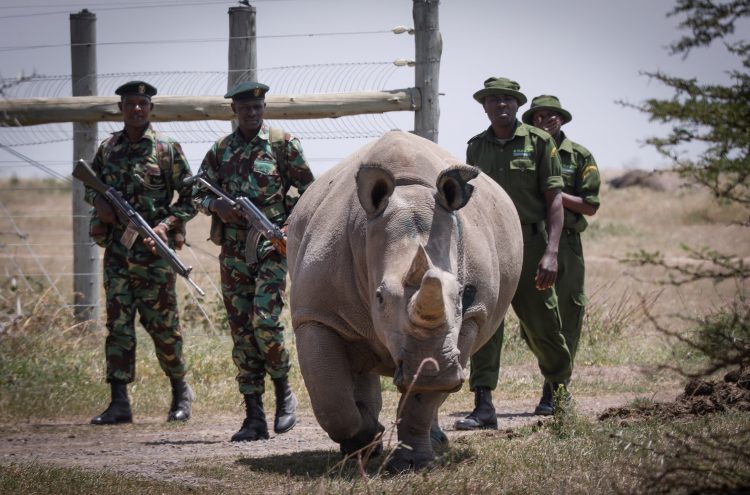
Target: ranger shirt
{"x":250,"y":169}
{"x":581,"y":177}
{"x":525,"y":166}
{"x":133,"y":169}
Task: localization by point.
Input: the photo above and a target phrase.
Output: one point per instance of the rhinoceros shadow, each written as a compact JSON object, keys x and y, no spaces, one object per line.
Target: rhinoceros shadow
{"x":327,"y":463}
{"x":308,"y":464}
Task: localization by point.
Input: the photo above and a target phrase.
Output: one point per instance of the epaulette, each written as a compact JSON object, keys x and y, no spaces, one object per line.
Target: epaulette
{"x":478,"y":136}
{"x":539,"y":132}
{"x":581,"y":149}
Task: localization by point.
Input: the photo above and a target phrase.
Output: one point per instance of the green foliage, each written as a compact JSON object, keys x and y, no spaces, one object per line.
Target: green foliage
{"x":724,"y":336}
{"x":714,"y":116}
{"x":566,"y":422}
{"x":701,"y":458}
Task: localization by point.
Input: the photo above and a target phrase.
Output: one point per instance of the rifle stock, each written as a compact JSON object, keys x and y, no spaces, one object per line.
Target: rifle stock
{"x":128,"y":216}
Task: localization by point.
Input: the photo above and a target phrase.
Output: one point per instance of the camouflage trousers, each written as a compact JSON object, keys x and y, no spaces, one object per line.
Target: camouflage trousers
{"x":138,"y":280}
{"x":253,"y":298}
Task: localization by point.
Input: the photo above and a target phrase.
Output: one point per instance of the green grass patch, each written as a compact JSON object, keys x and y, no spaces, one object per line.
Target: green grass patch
{"x":32,"y":479}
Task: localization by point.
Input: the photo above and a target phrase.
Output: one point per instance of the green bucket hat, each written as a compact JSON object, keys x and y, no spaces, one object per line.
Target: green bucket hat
{"x":502,"y":86}
{"x":546,"y":102}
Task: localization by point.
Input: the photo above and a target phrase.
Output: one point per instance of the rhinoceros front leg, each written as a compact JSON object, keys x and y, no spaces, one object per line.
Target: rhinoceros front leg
{"x":345,"y":398}
{"x":438,"y":438}
{"x":416,"y":422}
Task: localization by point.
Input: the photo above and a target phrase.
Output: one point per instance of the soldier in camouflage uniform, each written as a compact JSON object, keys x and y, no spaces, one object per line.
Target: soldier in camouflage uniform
{"x":146,"y":168}
{"x":580,"y":197}
{"x":253,"y":163}
{"x":524,"y":161}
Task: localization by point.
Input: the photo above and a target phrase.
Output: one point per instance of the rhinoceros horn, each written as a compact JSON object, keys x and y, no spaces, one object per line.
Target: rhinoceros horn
{"x":426,"y":307}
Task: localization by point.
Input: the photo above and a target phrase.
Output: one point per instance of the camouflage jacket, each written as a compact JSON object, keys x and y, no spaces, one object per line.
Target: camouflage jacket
{"x":251,"y":169}
{"x":134,"y":170}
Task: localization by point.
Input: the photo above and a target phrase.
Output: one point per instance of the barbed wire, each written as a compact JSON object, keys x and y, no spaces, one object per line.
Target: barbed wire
{"x":314,"y":78}
{"x":180,"y":41}
{"x":32,"y":253}
{"x":125,"y":6}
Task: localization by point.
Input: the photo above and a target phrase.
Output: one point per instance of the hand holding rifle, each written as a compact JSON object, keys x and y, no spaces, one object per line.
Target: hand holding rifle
{"x":241,"y":209}
{"x":114,"y":206}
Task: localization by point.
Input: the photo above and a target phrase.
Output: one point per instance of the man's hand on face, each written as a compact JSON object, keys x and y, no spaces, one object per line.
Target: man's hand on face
{"x":226,"y":212}
{"x":104,"y":210}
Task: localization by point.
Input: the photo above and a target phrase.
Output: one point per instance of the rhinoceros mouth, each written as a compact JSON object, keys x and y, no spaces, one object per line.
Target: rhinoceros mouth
{"x":449,"y":379}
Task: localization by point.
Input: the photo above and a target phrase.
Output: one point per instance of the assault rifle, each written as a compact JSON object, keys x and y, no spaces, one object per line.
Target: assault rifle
{"x":251,"y":213}
{"x":128,"y":216}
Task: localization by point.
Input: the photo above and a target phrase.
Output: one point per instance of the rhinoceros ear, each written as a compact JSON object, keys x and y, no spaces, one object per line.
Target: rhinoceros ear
{"x":453,"y":188}
{"x":374,"y":187}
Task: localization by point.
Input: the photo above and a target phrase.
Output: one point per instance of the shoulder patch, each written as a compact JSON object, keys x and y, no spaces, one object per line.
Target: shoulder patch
{"x":591,"y":167}
{"x":553,"y":153}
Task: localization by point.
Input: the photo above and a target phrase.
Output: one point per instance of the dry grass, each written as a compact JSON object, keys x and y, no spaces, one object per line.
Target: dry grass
{"x":50,"y":367}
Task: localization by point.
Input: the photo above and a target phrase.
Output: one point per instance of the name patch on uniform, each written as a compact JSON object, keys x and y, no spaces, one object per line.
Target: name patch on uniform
{"x":523,"y":152}
{"x":264,"y":167}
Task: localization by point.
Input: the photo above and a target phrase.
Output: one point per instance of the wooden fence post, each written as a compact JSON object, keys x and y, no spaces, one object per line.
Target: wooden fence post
{"x":243,"y":57}
{"x":85,"y":252}
{"x":429,"y":48}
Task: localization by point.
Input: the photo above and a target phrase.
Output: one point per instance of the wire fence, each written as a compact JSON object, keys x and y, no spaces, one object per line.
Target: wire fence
{"x":36,"y":252}
{"x":321,"y":78}
{"x":36,"y":239}
{"x":36,"y":245}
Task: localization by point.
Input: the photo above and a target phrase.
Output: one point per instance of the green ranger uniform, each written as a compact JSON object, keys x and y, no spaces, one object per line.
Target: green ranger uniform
{"x":253,"y":291}
{"x":525,"y":166}
{"x":581,"y":177}
{"x":146,"y":173}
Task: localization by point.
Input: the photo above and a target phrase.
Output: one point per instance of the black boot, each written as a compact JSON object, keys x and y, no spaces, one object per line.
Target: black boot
{"x":286,"y":406}
{"x":119,"y":409}
{"x":483,"y":417}
{"x":546,"y":406}
{"x":182,"y":400}
{"x":254,"y":427}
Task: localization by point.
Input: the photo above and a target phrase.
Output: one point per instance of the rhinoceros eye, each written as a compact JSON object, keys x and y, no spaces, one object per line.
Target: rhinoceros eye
{"x":379,"y":295}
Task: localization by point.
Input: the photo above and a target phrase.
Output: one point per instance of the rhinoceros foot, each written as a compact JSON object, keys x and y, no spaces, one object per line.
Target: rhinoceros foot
{"x":369,"y":443}
{"x":409,"y":460}
{"x":438,"y":440}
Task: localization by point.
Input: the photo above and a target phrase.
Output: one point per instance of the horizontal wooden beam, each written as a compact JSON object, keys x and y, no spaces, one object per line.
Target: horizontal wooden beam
{"x":35,"y":111}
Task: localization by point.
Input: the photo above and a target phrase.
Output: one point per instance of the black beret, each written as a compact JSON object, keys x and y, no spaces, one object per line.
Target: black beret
{"x":248,"y":90}
{"x":136,"y":88}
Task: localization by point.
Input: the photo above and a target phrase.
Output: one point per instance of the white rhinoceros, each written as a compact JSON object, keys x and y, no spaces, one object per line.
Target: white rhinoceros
{"x":395,"y":258}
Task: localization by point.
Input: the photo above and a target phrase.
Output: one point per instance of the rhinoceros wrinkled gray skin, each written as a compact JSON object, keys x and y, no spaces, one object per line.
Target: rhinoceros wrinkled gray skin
{"x":401,"y":258}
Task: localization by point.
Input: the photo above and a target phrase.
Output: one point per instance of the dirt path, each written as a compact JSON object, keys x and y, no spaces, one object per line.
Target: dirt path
{"x":165,"y":451}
